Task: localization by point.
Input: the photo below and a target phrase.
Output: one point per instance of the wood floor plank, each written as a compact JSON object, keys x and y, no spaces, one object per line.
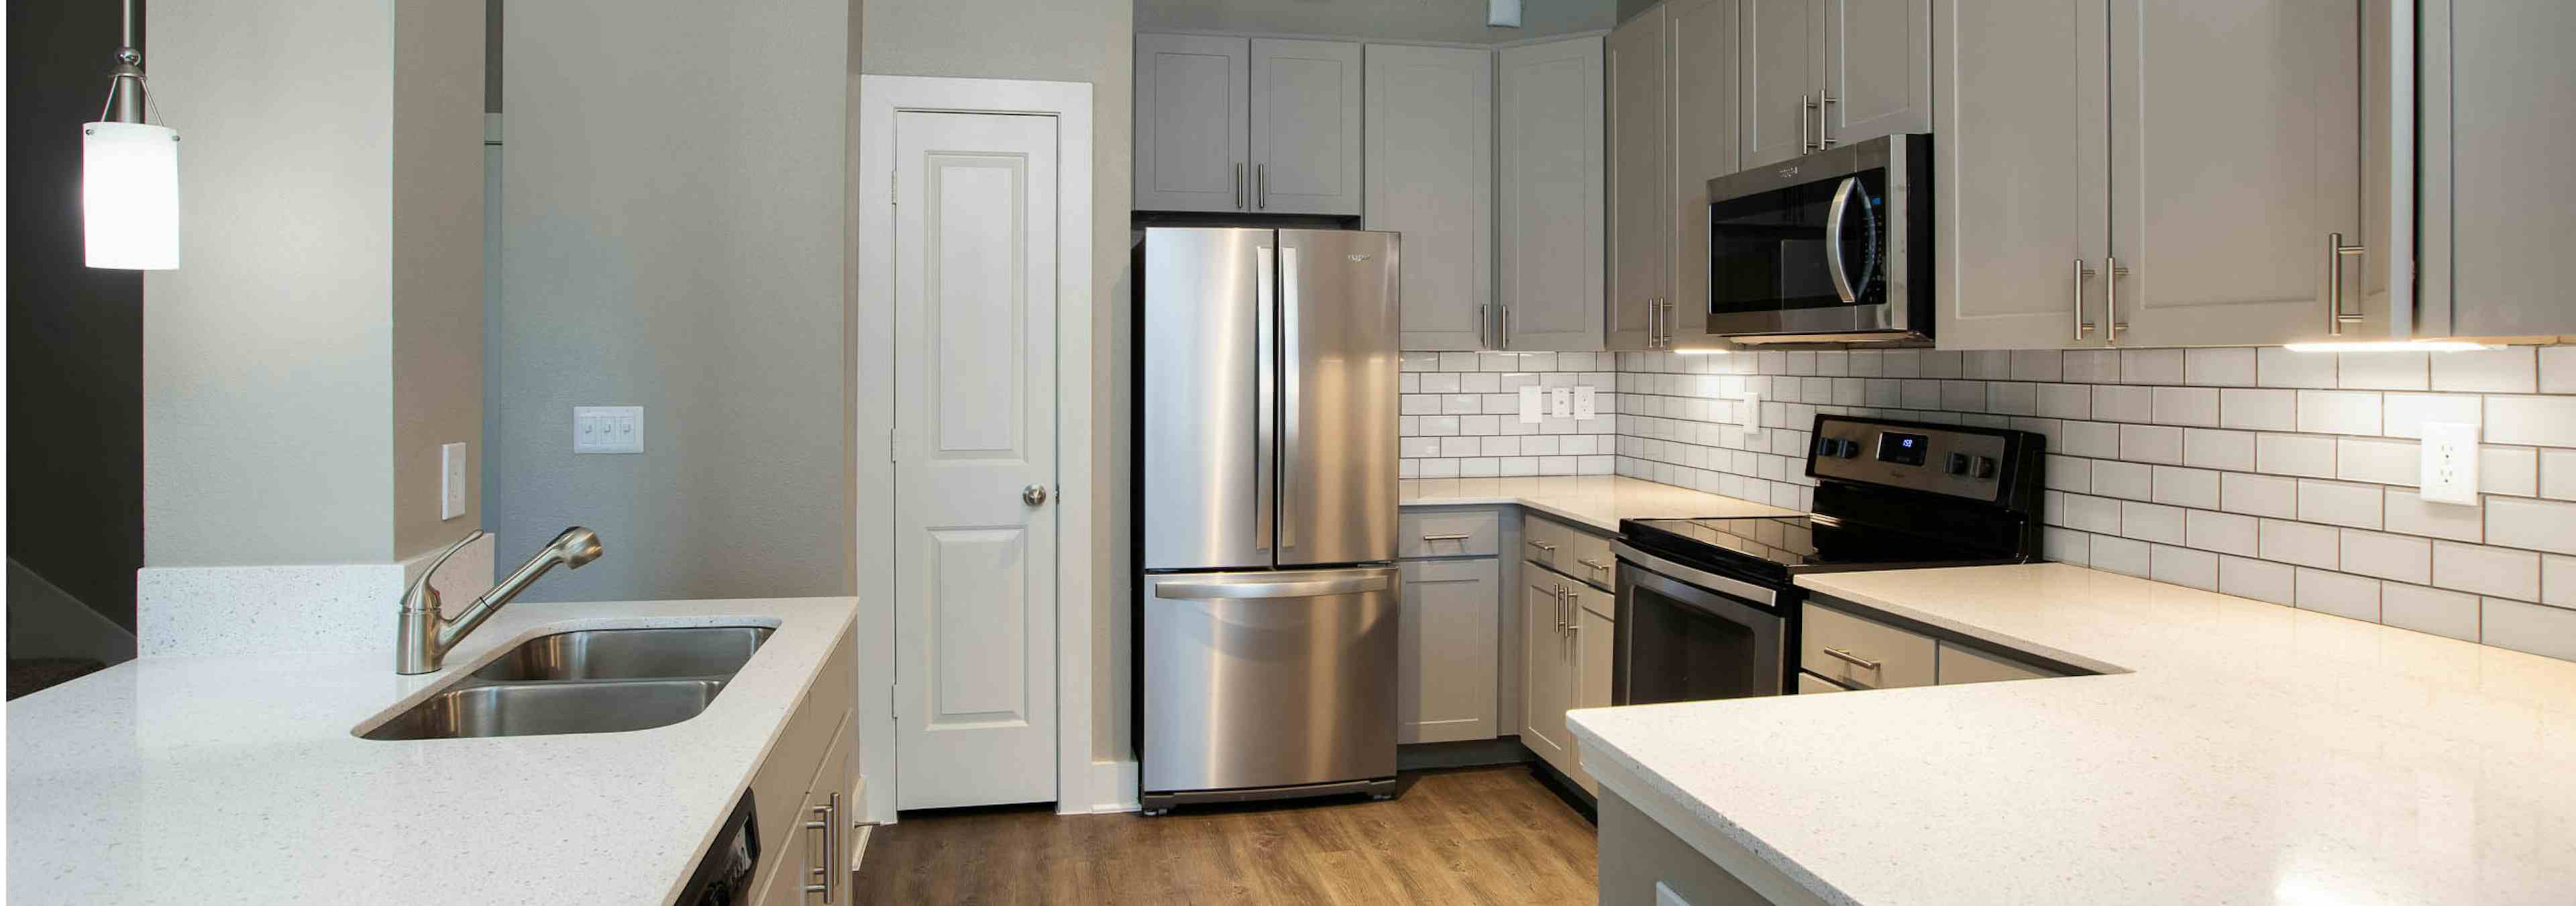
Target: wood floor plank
{"x":1474,"y":836}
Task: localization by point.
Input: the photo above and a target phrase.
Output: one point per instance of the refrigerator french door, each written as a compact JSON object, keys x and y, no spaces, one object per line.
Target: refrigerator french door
{"x":1266,"y":454}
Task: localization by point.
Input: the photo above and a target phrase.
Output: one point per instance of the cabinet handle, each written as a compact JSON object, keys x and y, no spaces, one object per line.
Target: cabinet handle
{"x":1668,"y":323}
{"x":1482,"y":312}
{"x":2111,"y":299}
{"x":1852,"y":659}
{"x":1824,"y":119}
{"x":2082,"y":273}
{"x":1806,"y":103}
{"x":1543,"y":546}
{"x":1238,"y":185}
{"x":1595,"y":564}
{"x":1560,"y":608}
{"x":1261,"y":186}
{"x":1507,"y":325}
{"x":1654,"y":324}
{"x":1436,"y":538}
{"x":2335,"y":316}
{"x":812,"y":870}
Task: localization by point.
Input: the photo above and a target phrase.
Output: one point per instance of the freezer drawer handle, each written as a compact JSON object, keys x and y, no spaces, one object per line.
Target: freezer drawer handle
{"x":1349,"y":585}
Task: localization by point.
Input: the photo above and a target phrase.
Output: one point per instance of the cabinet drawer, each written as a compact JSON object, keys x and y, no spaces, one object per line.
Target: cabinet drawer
{"x":1961,"y":664}
{"x":1569,"y":550}
{"x":1601,"y":603}
{"x":1887,"y":657}
{"x":1808,"y":684}
{"x":1448,"y":533}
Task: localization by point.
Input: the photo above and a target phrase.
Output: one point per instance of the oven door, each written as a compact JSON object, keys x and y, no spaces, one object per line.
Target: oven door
{"x":1688,"y":635}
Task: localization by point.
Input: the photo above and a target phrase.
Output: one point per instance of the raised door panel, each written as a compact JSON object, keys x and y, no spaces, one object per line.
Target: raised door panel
{"x":1878,"y":66}
{"x":1593,"y":646}
{"x":1306,"y":127}
{"x":1446,"y":675}
{"x":1640,"y":124}
{"x":2019,"y":158}
{"x":1430,"y":171}
{"x":1193,"y":123}
{"x":1546,"y":672}
{"x":1706,"y":144}
{"x":1551,"y":217}
{"x":1781,"y":70}
{"x":2236,"y":152}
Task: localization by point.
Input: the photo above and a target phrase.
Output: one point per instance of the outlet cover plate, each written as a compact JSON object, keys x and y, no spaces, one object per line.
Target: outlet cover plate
{"x":2450,"y":462}
{"x":451,"y":480}
{"x":608,"y":429}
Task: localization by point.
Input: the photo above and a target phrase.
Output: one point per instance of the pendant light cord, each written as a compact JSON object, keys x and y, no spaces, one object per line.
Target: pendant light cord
{"x":129,"y":64}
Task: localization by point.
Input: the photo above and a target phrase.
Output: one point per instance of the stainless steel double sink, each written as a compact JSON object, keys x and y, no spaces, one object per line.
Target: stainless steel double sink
{"x":585,"y":681}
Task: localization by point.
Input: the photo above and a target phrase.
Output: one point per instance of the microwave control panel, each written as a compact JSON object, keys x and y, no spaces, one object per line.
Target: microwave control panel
{"x":1961,"y":462}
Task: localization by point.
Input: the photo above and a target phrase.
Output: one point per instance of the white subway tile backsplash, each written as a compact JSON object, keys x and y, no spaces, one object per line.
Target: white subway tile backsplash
{"x":2008,"y":398}
{"x":2186,"y":406}
{"x":2183,"y":566}
{"x":2522,"y":626}
{"x":2300,"y":543}
{"x":2150,"y":366}
{"x":2543,"y":421}
{"x":2210,"y":448}
{"x":2339,"y":412}
{"x":2509,"y":470}
{"x":2338,"y":594}
{"x":2187,"y":487}
{"x":2092,"y":514}
{"x":2410,"y":513}
{"x":2222,"y":532}
{"x":2543,"y":525}
{"x":2558,"y":580}
{"x":2216,"y":367}
{"x":2120,"y":555}
{"x":2068,"y":473}
{"x":2151,"y":522}
{"x":2558,"y":369}
{"x":2089,"y":439}
{"x":2038,"y":365}
{"x":2264,"y":410}
{"x":2508,"y":370}
{"x":1440,"y":382}
{"x":2381,"y":370}
{"x":1963,"y":396}
{"x":2339,"y":503}
{"x":2259,"y":495}
{"x":2261,"y":580}
{"x":2065,"y":400}
{"x":1901,"y":363}
{"x":2404,"y":414}
{"x":2387,"y":556}
{"x":2557,"y":476}
{"x":2486,"y":570}
{"x":2430,"y":610}
{"x":2065,"y":546}
{"x":2278,"y":367}
{"x":2151,"y":443}
{"x":2127,"y":480}
{"x":2295,"y":454}
{"x":2114,"y":403}
{"x":2381,"y":461}
{"x":1939,"y":364}
{"x":1986,"y":365}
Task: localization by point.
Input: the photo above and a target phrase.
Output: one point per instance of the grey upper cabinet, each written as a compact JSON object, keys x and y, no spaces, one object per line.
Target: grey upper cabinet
{"x":1305,"y":127}
{"x":1636,"y":65}
{"x":1193,"y":116}
{"x":2498,"y":198}
{"x":2020,"y":159}
{"x":1430,"y":170}
{"x":1781,"y":63}
{"x":1706,"y":96}
{"x":1552,"y":243}
{"x":2235,"y":156}
{"x":1878,"y":69}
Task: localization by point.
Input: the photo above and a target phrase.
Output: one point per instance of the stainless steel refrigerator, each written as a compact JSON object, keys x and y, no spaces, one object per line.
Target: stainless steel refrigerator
{"x":1266,"y":452}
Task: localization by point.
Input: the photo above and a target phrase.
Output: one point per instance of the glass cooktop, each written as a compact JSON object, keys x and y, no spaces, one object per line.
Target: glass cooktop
{"x":1778,"y":546}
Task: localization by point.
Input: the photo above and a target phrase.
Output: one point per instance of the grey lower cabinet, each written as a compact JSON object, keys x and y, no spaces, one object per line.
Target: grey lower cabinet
{"x":803,"y":794}
{"x":1845,"y":647}
{"x":1567,"y":627}
{"x":2182,"y":185}
{"x":1550,"y":242}
{"x":1644,"y":864}
{"x":1447,"y":687}
{"x":1429,"y":162}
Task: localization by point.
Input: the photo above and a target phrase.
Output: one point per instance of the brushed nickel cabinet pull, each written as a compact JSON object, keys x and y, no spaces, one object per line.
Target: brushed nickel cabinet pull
{"x":1435,"y":538}
{"x":1852,"y":659}
{"x":2335,"y":316}
{"x":2082,"y":273}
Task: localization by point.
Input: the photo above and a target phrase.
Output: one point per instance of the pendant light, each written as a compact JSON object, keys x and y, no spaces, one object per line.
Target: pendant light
{"x":130,"y":173}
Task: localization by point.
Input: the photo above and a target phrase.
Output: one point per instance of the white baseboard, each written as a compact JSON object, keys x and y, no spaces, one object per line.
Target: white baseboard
{"x":1113,"y":784}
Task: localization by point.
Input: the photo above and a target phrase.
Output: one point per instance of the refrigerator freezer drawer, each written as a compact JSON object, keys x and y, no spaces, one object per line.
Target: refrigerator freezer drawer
{"x":1269,"y":679}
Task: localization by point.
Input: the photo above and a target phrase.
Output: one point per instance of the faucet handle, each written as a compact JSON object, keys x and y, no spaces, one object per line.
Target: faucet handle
{"x":421,"y":596}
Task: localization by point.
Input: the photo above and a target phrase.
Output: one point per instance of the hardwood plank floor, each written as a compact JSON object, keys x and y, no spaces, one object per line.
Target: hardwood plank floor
{"x":1470,"y":836}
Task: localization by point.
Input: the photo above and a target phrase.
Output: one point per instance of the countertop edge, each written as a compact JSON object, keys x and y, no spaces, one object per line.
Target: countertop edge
{"x":1652,"y":794}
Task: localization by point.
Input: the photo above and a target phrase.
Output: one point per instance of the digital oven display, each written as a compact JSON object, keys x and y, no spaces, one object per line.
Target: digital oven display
{"x":1902,"y":449}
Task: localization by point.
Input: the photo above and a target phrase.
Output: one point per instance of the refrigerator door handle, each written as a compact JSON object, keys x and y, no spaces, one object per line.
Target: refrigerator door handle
{"x":1265,"y":396}
{"x":1200,"y":590}
{"x":1290,"y":377}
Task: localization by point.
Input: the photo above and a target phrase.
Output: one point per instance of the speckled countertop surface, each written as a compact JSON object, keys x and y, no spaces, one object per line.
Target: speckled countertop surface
{"x":237,"y":779}
{"x":2253,"y":754}
{"x":1599,"y":501}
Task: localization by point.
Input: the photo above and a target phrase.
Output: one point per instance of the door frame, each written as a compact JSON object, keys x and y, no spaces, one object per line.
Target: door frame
{"x":870,"y":285}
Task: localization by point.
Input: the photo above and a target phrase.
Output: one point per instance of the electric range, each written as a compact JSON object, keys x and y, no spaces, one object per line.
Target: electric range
{"x":1708,"y":607}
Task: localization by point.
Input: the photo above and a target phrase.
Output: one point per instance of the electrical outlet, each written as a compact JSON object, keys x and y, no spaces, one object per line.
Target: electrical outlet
{"x":608,"y":429}
{"x":1748,"y":411}
{"x":451,"y":481}
{"x":1560,"y":402}
{"x":2450,"y":462}
{"x":1587,"y":403}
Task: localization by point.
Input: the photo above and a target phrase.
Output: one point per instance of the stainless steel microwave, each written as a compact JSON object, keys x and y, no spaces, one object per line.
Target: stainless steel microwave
{"x":1834,"y":246}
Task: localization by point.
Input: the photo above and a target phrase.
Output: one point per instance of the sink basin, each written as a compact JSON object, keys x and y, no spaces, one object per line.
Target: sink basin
{"x":585,"y":681}
{"x":535,"y":709}
{"x":593,"y":654}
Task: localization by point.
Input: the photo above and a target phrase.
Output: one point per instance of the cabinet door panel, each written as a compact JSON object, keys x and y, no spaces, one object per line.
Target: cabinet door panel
{"x":1546,"y":674}
{"x":2503,"y":172}
{"x":1593,"y":636}
{"x":1551,"y":219}
{"x":1306,"y":127}
{"x":1446,"y":676}
{"x":2022,"y":181}
{"x":1193,"y":110}
{"x":1706,"y":94}
{"x":1640,"y":179}
{"x":2236,"y":150}
{"x":1430,"y":172}
{"x":1781,"y":71}
{"x":1878,"y":64}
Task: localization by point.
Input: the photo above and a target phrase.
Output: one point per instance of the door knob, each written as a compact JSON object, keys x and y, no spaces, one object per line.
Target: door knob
{"x":1033,"y":495}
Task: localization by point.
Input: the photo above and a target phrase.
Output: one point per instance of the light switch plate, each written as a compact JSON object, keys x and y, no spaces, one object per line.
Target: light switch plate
{"x":1530,"y":404}
{"x":451,"y":481}
{"x":2450,"y":462}
{"x":1560,"y":402}
{"x":608,"y":429}
{"x":1587,"y":403}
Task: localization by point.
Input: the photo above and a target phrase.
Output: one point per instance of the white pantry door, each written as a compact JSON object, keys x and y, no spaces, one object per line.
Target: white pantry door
{"x":975,"y":426}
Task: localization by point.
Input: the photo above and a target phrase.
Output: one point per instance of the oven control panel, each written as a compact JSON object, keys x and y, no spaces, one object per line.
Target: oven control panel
{"x":1959,"y":461}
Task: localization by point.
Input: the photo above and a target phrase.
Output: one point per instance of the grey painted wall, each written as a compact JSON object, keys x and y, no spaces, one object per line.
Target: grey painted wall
{"x":1082,"y":41}
{"x":312,"y":252}
{"x":1461,"y":21}
{"x":673,"y":239}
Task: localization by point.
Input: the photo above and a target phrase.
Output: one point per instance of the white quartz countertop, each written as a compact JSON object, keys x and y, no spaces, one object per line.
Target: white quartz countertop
{"x":238,"y":779}
{"x":1599,"y":501}
{"x":2251,"y":753}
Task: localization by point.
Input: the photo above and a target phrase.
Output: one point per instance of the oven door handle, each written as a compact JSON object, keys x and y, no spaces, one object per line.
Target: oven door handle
{"x":1834,"y":239}
{"x":1702,"y":578}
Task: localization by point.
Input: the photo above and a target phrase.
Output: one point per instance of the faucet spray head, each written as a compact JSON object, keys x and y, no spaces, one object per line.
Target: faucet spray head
{"x":576,"y":547}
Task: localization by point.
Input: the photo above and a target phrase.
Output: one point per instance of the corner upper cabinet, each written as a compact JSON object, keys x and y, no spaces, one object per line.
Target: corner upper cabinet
{"x":1193,"y":123}
{"x":1552,"y":243}
{"x":1638,"y":70}
{"x":1305,"y":127}
{"x":1430,"y":170}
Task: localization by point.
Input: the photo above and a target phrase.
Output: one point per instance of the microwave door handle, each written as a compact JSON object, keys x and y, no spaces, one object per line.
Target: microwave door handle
{"x":1834,"y":239}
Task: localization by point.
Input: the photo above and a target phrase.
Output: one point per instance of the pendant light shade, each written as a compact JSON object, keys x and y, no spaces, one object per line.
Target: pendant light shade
{"x":130,"y":195}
